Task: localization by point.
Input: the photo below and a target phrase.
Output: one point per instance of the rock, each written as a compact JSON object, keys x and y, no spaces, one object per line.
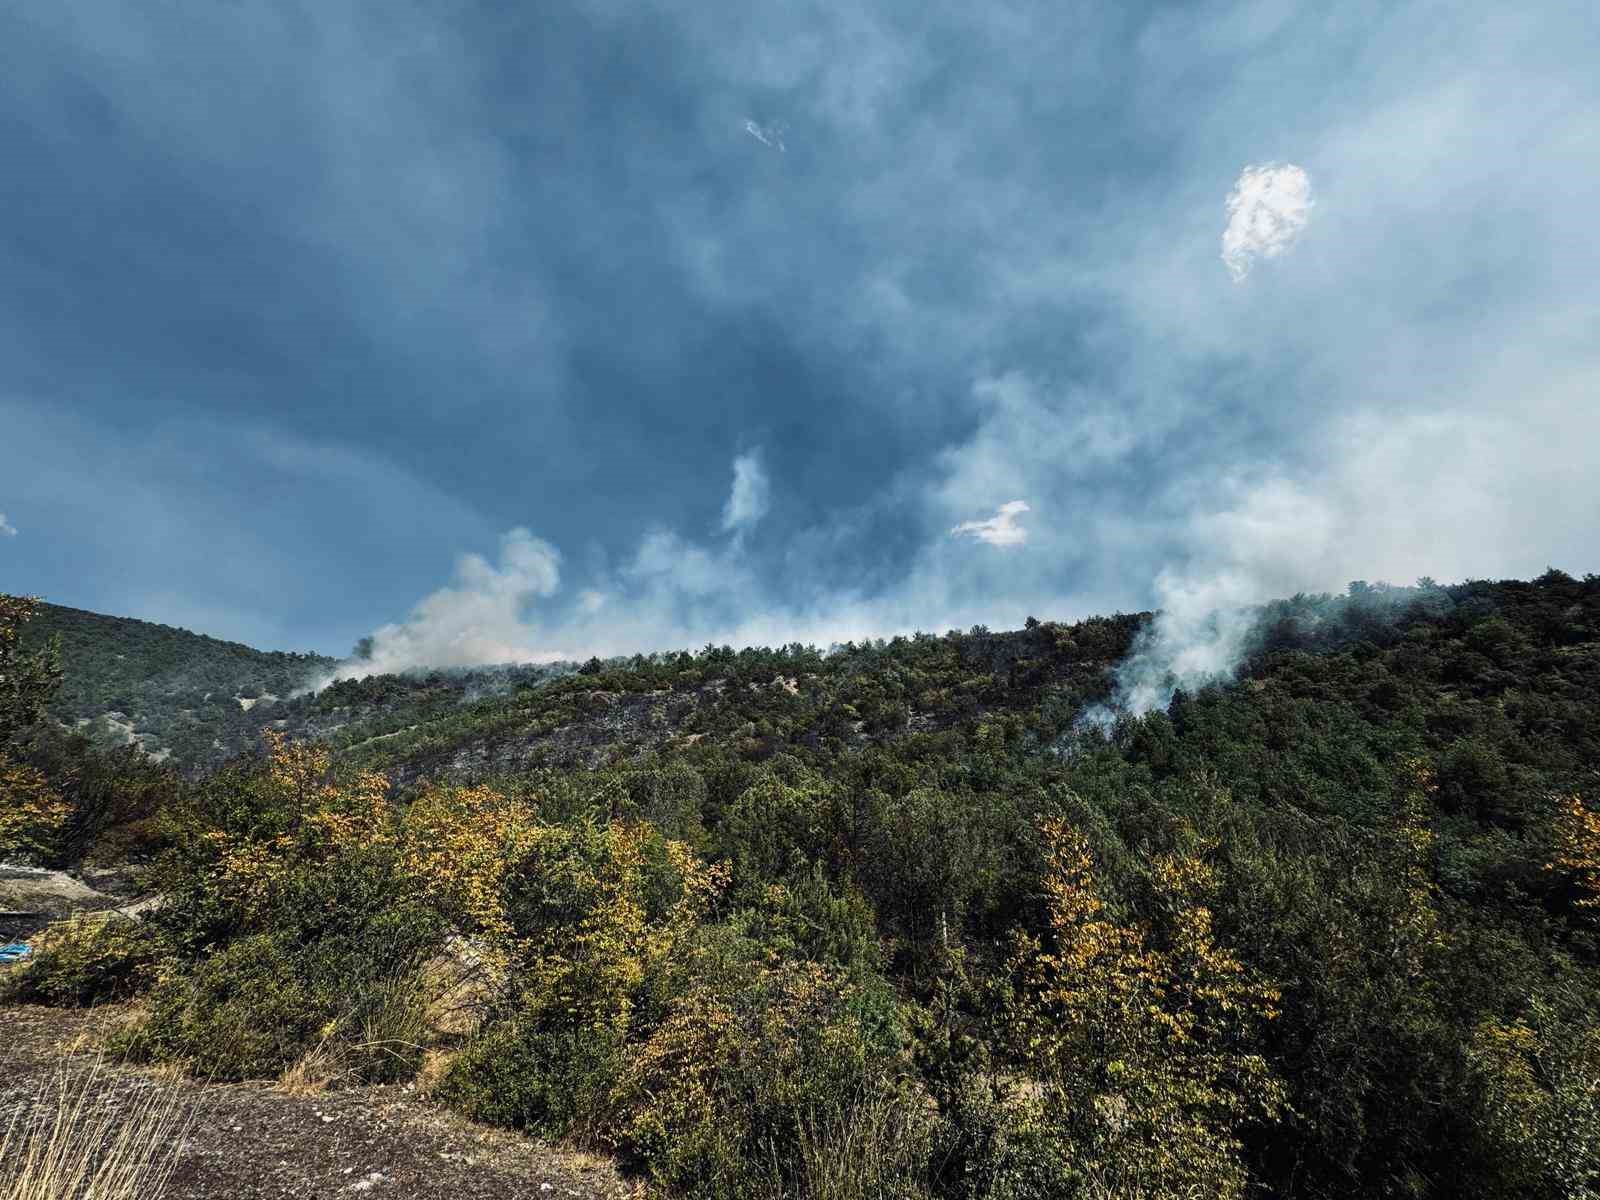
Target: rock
{"x":48,"y":893}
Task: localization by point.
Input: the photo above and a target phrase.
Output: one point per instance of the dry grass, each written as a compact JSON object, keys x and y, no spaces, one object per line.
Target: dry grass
{"x":435,"y":1066}
{"x":315,"y":1071}
{"x":79,"y":1136}
{"x":385,"y":1038}
{"x":871,"y":1149}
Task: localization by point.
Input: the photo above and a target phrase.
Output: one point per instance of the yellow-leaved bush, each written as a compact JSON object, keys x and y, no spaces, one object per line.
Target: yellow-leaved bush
{"x":306,"y":817}
{"x":32,"y":813}
{"x":1577,"y":850}
{"x":288,"y":924}
{"x":1134,"y":1041}
{"x":1537,"y":1083}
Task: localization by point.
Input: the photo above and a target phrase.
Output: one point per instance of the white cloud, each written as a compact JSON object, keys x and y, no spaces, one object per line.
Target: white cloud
{"x":7,"y":529}
{"x":1267,"y":210}
{"x":767,"y":135}
{"x":999,"y":530}
{"x":751,"y":495}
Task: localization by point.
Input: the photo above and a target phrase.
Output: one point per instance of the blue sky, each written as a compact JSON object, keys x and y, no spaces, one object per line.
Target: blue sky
{"x":516,"y":330}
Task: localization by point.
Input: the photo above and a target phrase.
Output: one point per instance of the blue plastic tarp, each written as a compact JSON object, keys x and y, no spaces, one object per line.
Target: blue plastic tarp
{"x":12,"y":951}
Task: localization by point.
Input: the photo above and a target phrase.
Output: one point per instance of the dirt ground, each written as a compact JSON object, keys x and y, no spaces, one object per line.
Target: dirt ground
{"x":252,"y":1142}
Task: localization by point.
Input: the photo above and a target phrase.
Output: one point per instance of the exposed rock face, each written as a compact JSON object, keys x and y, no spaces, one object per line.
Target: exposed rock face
{"x":31,"y":898}
{"x":50,"y":893}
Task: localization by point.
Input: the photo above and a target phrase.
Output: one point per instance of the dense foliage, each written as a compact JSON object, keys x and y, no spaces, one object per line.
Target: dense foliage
{"x":886,"y":921}
{"x":172,"y":692}
{"x":32,"y":811}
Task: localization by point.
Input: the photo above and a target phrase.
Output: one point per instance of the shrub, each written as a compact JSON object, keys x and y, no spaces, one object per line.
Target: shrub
{"x":527,"y":1075}
{"x":753,"y":1092}
{"x":86,"y":959}
{"x":300,"y":931}
{"x":357,"y":996}
{"x":33,"y":815}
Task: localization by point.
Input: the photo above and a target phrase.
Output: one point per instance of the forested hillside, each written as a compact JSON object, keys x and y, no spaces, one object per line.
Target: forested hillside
{"x":196,"y":702}
{"x":175,"y":693}
{"x":894,"y":921}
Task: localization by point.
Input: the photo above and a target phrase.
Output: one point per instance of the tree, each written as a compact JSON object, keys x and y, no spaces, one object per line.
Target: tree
{"x":1538,"y":1103}
{"x":1577,"y":850}
{"x":1137,"y":1038}
{"x":32,"y":813}
{"x":28,"y":681}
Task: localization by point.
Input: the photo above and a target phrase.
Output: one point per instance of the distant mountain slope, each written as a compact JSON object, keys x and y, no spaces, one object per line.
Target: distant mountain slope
{"x":180,"y":694}
{"x":1509,"y":667}
{"x":756,"y":702}
{"x":1495,"y":681}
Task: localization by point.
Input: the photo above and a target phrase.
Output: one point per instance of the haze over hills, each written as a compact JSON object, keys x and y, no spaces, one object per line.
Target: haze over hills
{"x":200,"y":701}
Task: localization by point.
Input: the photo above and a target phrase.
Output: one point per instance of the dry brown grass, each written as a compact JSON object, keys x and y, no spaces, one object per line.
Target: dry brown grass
{"x":435,"y":1066}
{"x":315,"y":1071}
{"x":80,"y":1136}
{"x":391,"y":1035}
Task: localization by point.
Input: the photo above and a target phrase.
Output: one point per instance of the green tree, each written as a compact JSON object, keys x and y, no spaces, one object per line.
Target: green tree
{"x":28,"y":680}
{"x":32,"y":812}
{"x":1137,"y":1040}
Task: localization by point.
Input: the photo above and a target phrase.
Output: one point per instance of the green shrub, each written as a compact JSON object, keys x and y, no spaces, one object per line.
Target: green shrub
{"x":86,"y":959}
{"x":767,"y":1090}
{"x":258,"y":1005}
{"x":297,"y":931}
{"x":557,"y":1081}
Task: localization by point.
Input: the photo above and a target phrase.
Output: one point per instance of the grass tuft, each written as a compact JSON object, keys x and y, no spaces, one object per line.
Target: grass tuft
{"x":82,"y":1136}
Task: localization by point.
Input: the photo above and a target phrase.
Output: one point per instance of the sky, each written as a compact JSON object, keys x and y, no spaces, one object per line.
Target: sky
{"x":534,"y":331}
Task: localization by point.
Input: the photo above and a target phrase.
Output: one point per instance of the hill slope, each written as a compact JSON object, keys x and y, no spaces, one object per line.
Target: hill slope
{"x":1363,"y":873}
{"x":177,"y":694}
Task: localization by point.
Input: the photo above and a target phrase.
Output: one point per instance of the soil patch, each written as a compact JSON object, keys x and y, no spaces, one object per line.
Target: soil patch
{"x":252,"y":1142}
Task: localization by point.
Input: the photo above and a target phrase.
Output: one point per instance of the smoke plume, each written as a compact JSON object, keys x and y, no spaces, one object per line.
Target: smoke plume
{"x":479,"y":618}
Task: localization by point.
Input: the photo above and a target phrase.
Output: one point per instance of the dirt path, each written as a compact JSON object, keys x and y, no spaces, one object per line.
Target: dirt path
{"x":251,"y":1142}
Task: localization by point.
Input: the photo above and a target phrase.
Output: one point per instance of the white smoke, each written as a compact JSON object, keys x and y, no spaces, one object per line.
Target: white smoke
{"x":671,"y":591}
{"x":1267,"y":211}
{"x":6,"y":528}
{"x":479,"y":619}
{"x":750,"y":496}
{"x":999,"y":530}
{"x":1190,"y":643}
{"x":1272,"y":540}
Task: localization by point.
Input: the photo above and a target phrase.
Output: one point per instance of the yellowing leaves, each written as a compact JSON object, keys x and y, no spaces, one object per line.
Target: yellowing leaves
{"x":32,"y":813}
{"x":1577,"y":849}
{"x":1138,"y":1036}
{"x":305,"y":816}
{"x":461,"y":843}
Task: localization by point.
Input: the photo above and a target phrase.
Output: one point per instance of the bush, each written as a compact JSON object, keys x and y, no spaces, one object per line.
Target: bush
{"x":555,"y":1080}
{"x":356,"y":997}
{"x":786,"y":1085}
{"x":87,"y":959}
{"x":299,"y":930}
